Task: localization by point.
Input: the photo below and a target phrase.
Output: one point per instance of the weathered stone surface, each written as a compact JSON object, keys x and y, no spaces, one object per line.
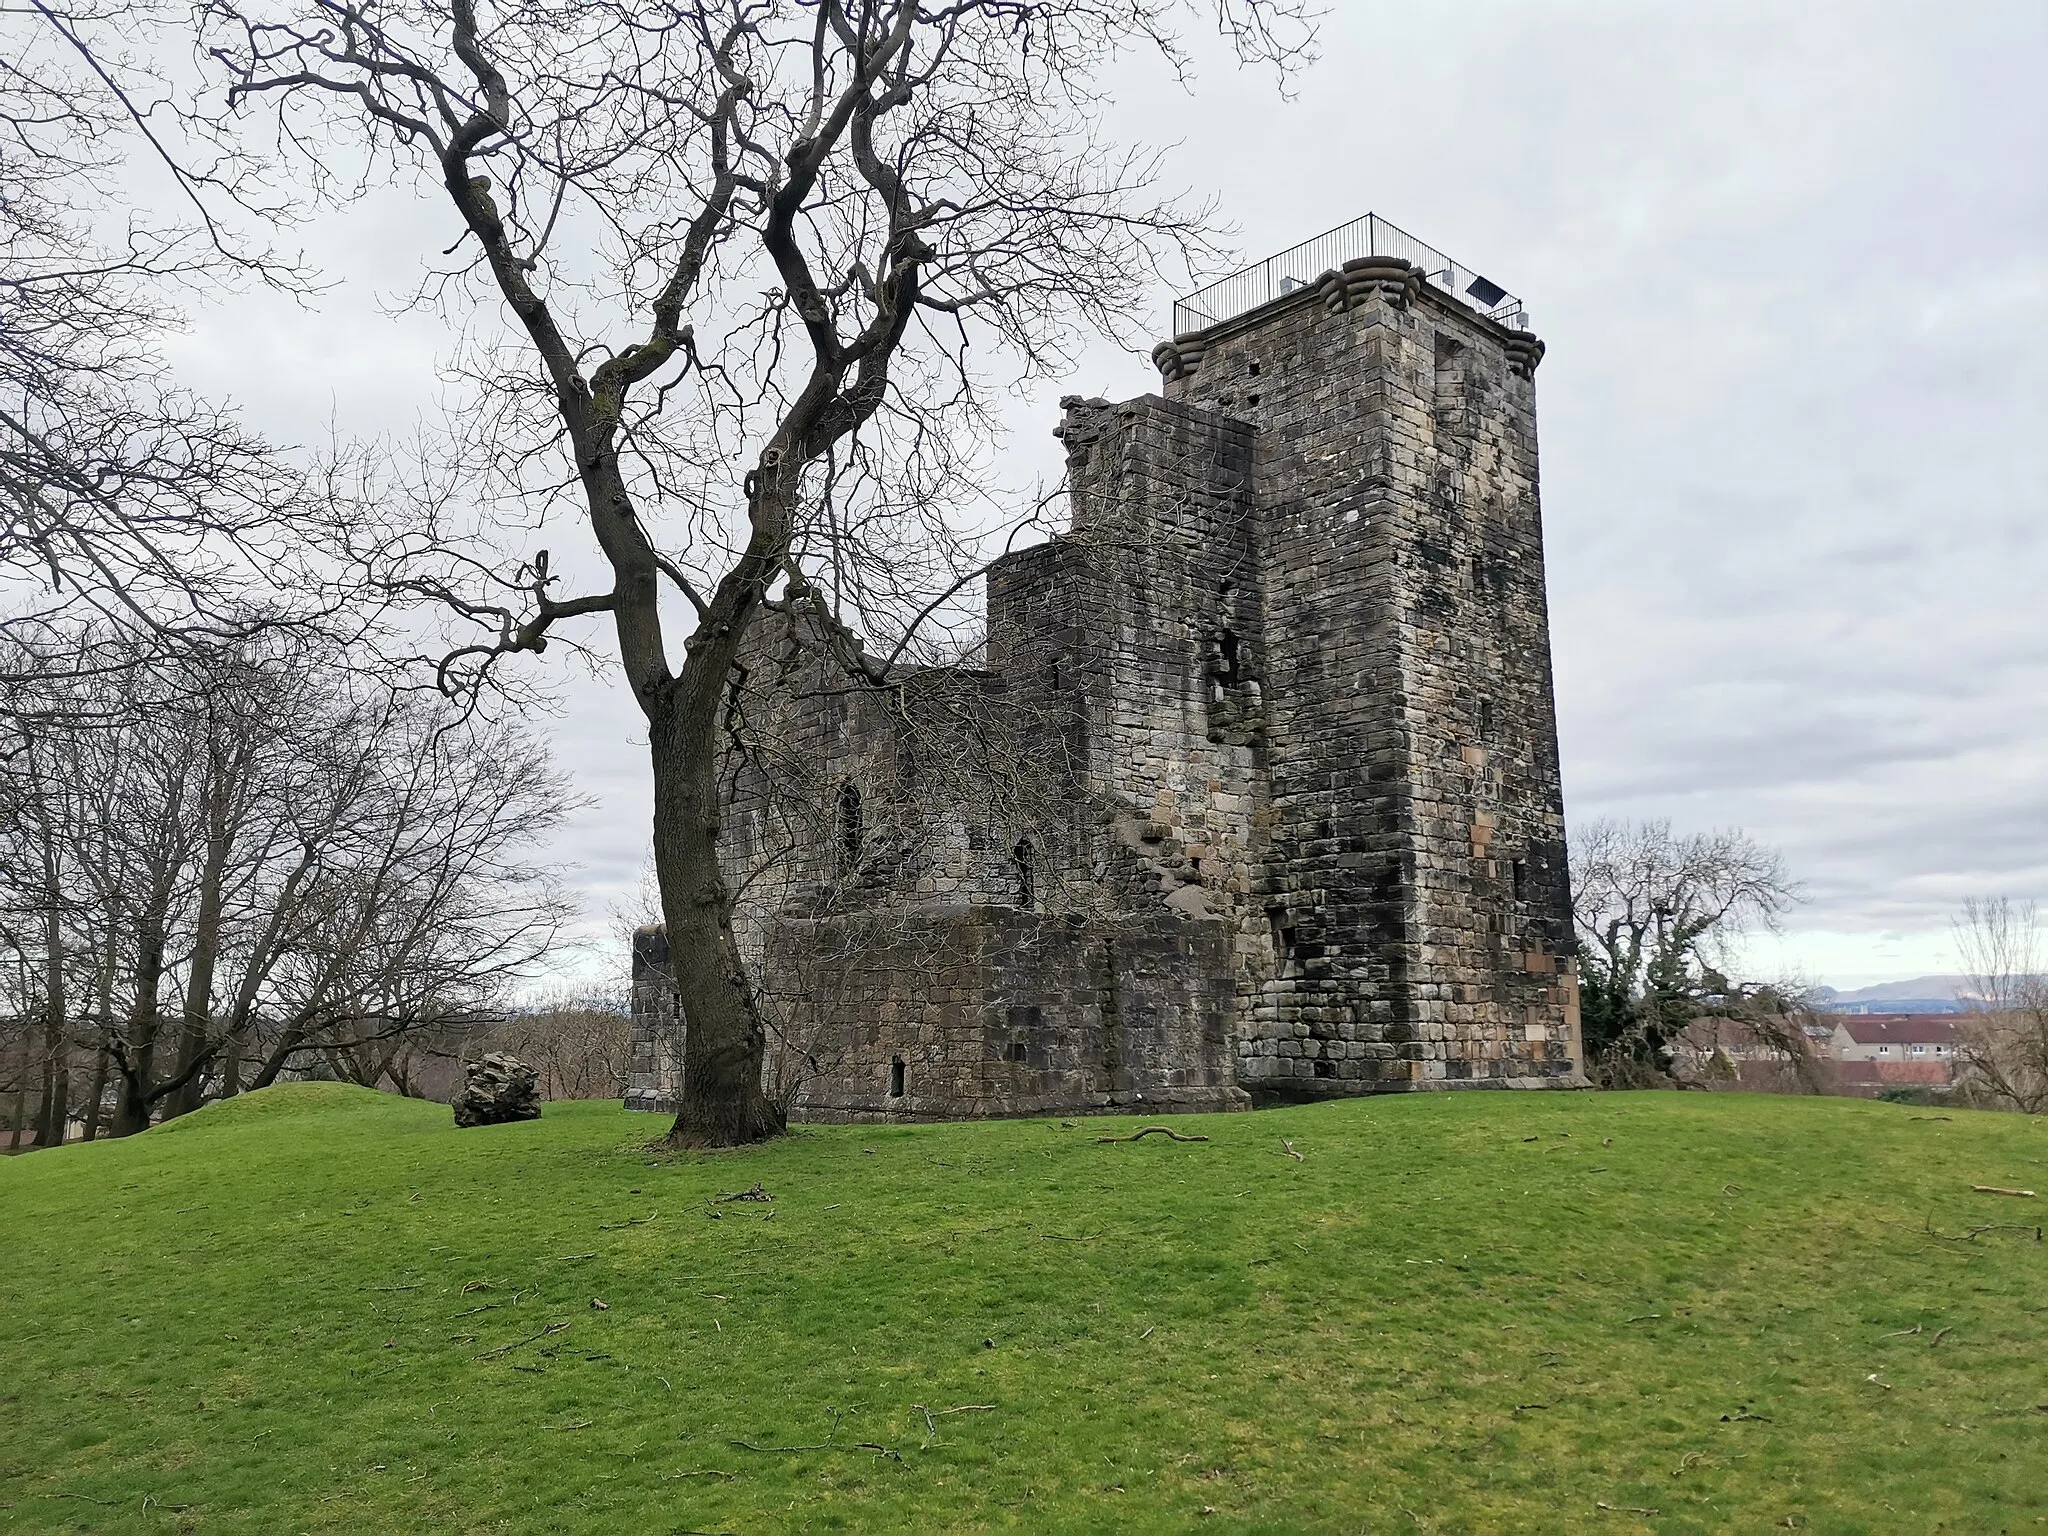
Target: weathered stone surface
{"x":1257,"y":788}
{"x":498,"y":1089}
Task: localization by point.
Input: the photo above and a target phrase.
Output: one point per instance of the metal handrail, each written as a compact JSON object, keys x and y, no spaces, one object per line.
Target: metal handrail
{"x":1303,"y":265}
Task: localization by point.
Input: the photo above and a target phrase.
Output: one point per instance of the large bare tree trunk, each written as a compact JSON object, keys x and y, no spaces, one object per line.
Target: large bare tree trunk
{"x":54,"y":1109}
{"x":198,"y":1010}
{"x":145,"y":1023}
{"x":722,"y":1102}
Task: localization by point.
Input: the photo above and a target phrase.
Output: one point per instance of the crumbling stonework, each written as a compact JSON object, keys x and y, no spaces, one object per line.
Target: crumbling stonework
{"x":1256,"y":793}
{"x":498,"y":1090}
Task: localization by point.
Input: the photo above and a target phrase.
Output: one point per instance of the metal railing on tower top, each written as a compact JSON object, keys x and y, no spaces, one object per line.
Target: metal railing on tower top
{"x":1300,"y":266}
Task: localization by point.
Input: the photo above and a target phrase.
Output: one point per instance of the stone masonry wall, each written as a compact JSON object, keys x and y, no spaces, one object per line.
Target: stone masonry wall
{"x":1257,"y":789}
{"x":1416,"y":882}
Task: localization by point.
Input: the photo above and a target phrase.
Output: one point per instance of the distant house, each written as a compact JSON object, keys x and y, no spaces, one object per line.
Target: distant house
{"x":1757,"y":1056}
{"x":1896,"y":1049}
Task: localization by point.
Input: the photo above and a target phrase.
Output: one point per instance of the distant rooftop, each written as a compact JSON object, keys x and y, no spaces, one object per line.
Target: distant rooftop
{"x":1300,"y":266}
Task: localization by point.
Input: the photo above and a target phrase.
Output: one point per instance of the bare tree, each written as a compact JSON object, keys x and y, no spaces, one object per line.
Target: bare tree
{"x":1655,"y":911}
{"x":2003,"y":1051}
{"x":580,"y":1043}
{"x":122,"y":495}
{"x":260,"y":867}
{"x":751,"y":250}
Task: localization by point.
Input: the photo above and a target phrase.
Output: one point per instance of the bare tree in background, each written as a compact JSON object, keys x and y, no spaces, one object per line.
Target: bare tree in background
{"x":1654,"y":911}
{"x":2003,"y":1051}
{"x":124,"y":498}
{"x":580,"y":1043}
{"x":254,"y":867}
{"x":752,"y":250}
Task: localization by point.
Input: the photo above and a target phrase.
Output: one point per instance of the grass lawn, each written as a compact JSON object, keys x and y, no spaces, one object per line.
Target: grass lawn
{"x":320,"y":1309}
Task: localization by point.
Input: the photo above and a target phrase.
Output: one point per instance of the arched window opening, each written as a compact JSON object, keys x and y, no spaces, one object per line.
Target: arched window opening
{"x":896,"y":1077}
{"x":1022,"y":858}
{"x":850,"y":830}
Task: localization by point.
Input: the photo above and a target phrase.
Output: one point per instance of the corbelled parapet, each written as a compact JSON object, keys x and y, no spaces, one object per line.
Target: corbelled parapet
{"x":1365,"y":278}
{"x":1524,"y":351}
{"x":1180,"y":358}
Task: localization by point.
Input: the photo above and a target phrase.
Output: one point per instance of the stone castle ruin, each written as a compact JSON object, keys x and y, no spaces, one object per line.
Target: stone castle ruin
{"x":1254,"y":793}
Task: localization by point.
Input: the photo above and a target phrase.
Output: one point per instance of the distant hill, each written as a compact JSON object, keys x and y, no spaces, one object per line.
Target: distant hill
{"x":1922,"y":994}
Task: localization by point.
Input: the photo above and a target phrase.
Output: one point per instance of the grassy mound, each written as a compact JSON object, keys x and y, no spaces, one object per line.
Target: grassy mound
{"x":323,"y":1309}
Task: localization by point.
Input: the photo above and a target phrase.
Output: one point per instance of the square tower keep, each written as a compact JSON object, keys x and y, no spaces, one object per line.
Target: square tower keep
{"x":1285,"y":689}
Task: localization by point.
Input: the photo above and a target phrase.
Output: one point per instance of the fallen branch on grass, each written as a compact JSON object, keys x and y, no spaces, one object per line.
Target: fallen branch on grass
{"x":1977,"y":1231}
{"x":756,"y":1193}
{"x":1288,"y":1148}
{"x":1993,"y":1189}
{"x":1150,"y":1130}
{"x":506,"y":1349}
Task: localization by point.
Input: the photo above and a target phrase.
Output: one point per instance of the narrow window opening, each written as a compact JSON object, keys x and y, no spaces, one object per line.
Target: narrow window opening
{"x":896,"y":1077}
{"x":1027,"y":879}
{"x":1255,"y":370}
{"x":1518,"y":876}
{"x":850,"y":830}
{"x":1018,"y":1050}
{"x":1055,"y":674}
{"x":1251,"y":399}
{"x":1486,"y":719}
{"x":1227,"y":655}
{"x":1284,"y":949}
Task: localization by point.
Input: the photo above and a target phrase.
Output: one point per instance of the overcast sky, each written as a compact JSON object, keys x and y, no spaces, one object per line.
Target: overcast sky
{"x":1789,"y":262}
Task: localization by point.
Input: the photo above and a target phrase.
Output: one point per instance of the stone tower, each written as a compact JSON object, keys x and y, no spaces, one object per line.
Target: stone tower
{"x":1303,"y":832}
{"x":1415,"y":881}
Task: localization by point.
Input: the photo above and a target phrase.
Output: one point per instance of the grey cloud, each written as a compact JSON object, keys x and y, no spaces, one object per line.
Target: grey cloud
{"x":1790,"y":264}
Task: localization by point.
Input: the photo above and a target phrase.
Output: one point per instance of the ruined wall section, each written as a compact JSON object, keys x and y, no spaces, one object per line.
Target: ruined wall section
{"x":1016,"y":1013}
{"x":1163,"y":595}
{"x":912,"y":959}
{"x":654,"y":1070}
{"x":1415,"y":887}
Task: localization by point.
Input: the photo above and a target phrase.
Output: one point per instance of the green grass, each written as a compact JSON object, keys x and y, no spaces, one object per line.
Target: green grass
{"x":318,"y":1309}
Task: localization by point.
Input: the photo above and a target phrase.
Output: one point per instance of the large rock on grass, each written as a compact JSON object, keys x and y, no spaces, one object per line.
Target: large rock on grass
{"x":500,"y":1088}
